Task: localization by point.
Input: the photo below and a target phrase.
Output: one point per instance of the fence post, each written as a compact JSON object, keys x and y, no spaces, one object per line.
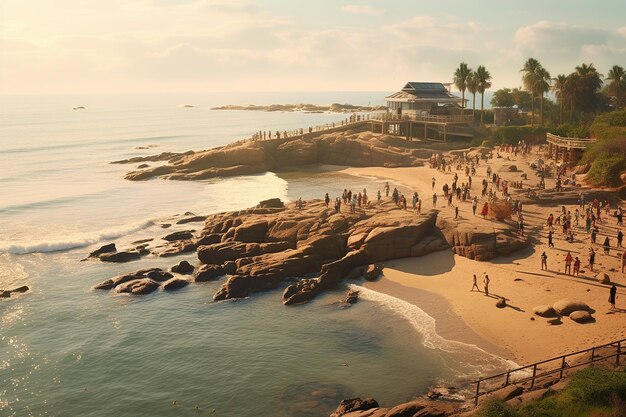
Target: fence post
{"x":619,"y":349}
{"x":477,"y":391}
{"x":562,"y":367}
{"x":593,"y":355}
{"x":532,"y":382}
{"x":506,"y":382}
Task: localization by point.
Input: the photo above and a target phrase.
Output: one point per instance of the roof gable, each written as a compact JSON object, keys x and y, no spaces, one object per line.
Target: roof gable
{"x":428,"y":88}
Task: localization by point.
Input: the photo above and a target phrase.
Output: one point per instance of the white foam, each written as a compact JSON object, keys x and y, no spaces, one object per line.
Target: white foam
{"x":78,"y":240}
{"x":472,"y":356}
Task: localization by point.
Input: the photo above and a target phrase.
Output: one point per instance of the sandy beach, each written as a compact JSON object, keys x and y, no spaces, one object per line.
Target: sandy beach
{"x":514,"y":332}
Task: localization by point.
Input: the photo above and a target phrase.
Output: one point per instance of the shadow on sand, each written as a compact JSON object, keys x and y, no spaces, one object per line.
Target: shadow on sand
{"x":436,"y":263}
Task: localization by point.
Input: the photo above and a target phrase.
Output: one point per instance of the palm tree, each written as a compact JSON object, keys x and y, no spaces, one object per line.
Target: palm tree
{"x":529,"y":79}
{"x":559,"y":88}
{"x":617,"y":76}
{"x":543,"y":86}
{"x":571,"y":91}
{"x":589,"y":81}
{"x":472,"y":87}
{"x":461,"y":75}
{"x":484,"y":82}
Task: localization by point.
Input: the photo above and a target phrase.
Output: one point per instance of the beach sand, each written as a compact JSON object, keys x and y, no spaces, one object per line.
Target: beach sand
{"x":513,"y":332}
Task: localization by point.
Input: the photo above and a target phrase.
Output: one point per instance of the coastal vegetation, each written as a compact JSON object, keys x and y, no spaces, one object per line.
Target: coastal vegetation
{"x":592,"y":392}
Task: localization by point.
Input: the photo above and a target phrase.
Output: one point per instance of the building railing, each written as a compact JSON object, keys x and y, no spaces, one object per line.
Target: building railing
{"x":457,"y":118}
{"x":568,"y":142}
{"x":559,"y":368}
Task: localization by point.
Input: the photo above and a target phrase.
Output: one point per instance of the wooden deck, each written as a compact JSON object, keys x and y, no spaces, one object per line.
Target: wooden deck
{"x":567,"y":150}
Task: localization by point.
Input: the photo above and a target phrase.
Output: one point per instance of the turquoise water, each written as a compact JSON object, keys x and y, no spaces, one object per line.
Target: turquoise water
{"x":66,"y":350}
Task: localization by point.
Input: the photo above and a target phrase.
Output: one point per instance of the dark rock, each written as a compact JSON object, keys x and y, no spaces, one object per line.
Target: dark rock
{"x":209,"y":273}
{"x":209,"y":239}
{"x":354,"y":404}
{"x":138,"y":286}
{"x":180,"y":235}
{"x":175,"y":284}
{"x":192,"y":219}
{"x":120,"y":257}
{"x":106,"y":285}
{"x":271,"y":203}
{"x":372,"y":272}
{"x":21,"y":289}
{"x":159,"y":275}
{"x":230,"y":267}
{"x":166,"y":226}
{"x":103,"y":249}
{"x":183,"y":268}
{"x":138,"y":242}
{"x":237,"y":286}
{"x":352,"y":297}
{"x":5,"y":294}
{"x":142,"y":166}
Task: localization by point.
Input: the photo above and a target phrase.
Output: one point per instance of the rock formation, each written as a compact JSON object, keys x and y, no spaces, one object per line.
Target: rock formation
{"x":252,"y":157}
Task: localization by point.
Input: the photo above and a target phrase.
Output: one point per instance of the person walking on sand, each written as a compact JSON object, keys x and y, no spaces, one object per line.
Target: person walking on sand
{"x":433,"y":184}
{"x":568,"y":263}
{"x":486,"y":284}
{"x":544,"y":261}
{"x":550,"y":242}
{"x":606,"y":245}
{"x":612,"y":296}
{"x":620,"y":237}
{"x":456,"y":212}
{"x":474,"y":205}
{"x":592,"y":258}
{"x":577,"y":266}
{"x":623,"y":261}
{"x":485,"y":210}
{"x":434,"y":200}
{"x":475,"y":284}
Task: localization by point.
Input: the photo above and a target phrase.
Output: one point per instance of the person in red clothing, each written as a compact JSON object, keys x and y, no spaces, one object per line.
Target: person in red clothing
{"x":568,"y":263}
{"x":577,"y":266}
{"x":485,"y":210}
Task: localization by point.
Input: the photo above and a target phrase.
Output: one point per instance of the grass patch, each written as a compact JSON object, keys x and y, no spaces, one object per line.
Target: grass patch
{"x":592,"y":392}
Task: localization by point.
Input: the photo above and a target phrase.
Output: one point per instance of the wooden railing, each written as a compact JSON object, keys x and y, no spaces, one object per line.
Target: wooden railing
{"x":457,"y":118}
{"x":568,"y":142}
{"x":538,"y":372}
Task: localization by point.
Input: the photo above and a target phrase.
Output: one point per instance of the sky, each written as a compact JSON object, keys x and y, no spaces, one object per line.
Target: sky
{"x":128,"y":46}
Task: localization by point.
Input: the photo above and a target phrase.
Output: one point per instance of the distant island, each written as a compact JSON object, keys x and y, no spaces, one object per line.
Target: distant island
{"x":308,"y":108}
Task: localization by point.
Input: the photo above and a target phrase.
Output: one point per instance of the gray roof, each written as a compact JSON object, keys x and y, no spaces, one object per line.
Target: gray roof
{"x":419,"y":91}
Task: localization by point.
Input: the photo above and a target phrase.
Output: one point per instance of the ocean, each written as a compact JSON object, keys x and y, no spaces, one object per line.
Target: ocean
{"x":67,"y":350}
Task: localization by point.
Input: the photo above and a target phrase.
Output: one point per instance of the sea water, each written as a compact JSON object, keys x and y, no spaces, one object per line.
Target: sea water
{"x":67,"y":350}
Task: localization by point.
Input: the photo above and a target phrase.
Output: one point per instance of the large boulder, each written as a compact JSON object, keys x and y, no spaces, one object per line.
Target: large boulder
{"x":209,"y":273}
{"x":138,"y":286}
{"x":544,"y":311}
{"x":566,"y":306}
{"x":183,"y":268}
{"x":103,"y":249}
{"x":271,"y":203}
{"x":120,"y":257}
{"x":580,"y":316}
{"x":354,"y":404}
{"x":180,"y":235}
{"x":175,"y":284}
{"x":159,"y":275}
{"x":252,"y":231}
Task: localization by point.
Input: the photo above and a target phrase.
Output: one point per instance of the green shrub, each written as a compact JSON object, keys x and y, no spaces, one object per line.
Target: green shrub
{"x":487,"y":143}
{"x":571,"y":131}
{"x":606,"y":169}
{"x":596,"y":386}
{"x":493,"y":407}
{"x":513,"y":134}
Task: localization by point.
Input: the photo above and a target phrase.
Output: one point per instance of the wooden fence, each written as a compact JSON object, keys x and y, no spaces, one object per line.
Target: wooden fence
{"x":550,"y":368}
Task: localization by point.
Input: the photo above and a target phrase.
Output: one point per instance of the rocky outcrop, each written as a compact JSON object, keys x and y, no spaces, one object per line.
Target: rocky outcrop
{"x":421,"y":407}
{"x":140,"y":282}
{"x":354,"y":404}
{"x":175,"y":284}
{"x":252,"y":157}
{"x":480,"y":242}
{"x":183,"y":268}
{"x":580,"y":316}
{"x":18,"y":290}
{"x":566,"y":306}
{"x":544,"y":311}
{"x":103,"y":249}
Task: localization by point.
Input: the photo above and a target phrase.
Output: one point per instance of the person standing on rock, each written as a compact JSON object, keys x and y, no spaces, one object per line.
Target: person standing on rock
{"x":387,"y":189}
{"x":612,"y":296}
{"x":577,"y":266}
{"x":419,"y":207}
{"x":544,"y":261}
{"x":475,"y":284}
{"x":486,"y":281}
{"x":568,"y":263}
{"x":353,"y":204}
{"x":327,"y":200}
{"x":378,"y":196}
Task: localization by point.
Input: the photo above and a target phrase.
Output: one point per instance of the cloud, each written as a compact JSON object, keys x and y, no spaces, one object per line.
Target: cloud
{"x":361,"y":9}
{"x":428,"y":31}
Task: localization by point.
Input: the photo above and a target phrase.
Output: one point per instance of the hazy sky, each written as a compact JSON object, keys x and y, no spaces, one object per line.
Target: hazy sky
{"x":89,"y":46}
